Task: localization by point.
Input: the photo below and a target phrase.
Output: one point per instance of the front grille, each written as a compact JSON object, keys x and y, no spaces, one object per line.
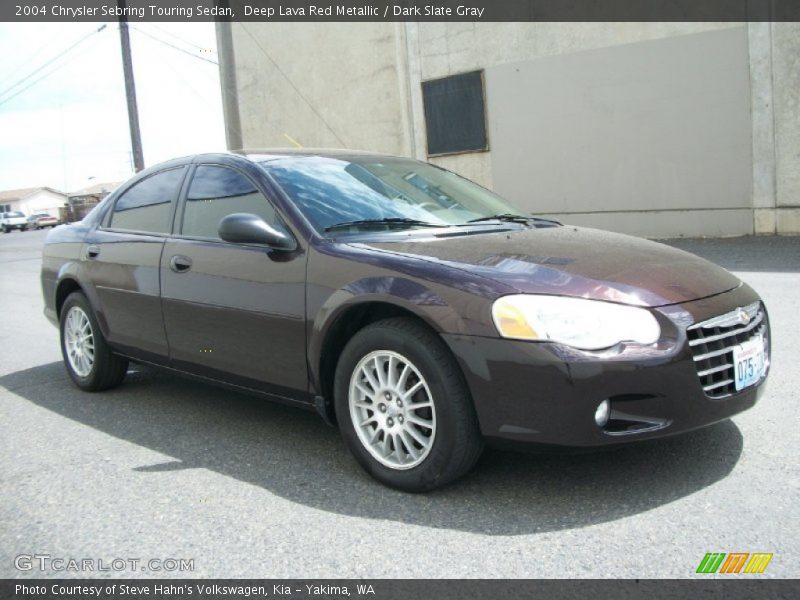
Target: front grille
{"x":712,"y":344}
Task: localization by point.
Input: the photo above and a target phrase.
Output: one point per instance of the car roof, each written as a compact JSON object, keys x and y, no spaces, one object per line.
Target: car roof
{"x":259,"y":155}
{"x":252,"y":155}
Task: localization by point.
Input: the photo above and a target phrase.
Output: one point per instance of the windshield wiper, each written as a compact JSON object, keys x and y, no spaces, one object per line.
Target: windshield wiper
{"x":384,"y":221}
{"x":512,"y":218}
{"x":505,"y":217}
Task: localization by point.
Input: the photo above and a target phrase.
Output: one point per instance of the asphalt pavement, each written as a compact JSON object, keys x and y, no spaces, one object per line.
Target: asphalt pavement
{"x":166,"y":468}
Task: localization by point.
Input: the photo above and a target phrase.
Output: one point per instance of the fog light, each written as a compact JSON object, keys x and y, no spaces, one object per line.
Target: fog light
{"x":601,"y":414}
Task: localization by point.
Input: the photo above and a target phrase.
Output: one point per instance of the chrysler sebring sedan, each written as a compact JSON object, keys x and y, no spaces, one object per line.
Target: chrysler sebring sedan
{"x":421,"y":313}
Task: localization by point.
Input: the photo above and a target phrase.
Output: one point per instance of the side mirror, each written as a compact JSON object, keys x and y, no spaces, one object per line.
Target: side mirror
{"x":246,"y":228}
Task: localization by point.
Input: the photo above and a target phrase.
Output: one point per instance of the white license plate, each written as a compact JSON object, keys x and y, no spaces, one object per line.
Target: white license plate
{"x":748,"y":362}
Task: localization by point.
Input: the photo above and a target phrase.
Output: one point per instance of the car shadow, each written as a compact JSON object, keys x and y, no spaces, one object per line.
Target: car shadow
{"x":293,"y":454}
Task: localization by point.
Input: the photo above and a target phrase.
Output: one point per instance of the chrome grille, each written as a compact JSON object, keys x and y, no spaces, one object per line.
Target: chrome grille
{"x":712,"y":344}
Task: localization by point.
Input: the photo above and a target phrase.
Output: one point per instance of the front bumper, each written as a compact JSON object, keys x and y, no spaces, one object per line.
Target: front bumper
{"x":534,"y":393}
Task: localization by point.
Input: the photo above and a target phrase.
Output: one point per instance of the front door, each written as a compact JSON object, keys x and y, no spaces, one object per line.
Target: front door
{"x":234,"y":312}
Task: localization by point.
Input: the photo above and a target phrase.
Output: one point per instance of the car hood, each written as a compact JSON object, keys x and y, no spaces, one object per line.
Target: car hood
{"x":574,"y":261}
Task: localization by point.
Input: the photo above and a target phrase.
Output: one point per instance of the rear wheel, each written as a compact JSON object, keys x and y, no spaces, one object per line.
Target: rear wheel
{"x":91,"y":364}
{"x":403,"y":408}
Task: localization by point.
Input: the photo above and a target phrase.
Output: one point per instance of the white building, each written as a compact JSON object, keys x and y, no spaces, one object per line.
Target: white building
{"x":657,"y":129}
{"x":33,"y":200}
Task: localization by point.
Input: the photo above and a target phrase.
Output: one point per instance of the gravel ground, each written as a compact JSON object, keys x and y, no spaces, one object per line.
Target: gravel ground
{"x":166,"y":468}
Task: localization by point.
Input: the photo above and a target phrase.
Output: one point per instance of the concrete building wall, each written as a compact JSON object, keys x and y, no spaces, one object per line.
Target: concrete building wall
{"x":319,"y":86}
{"x":786,"y":115}
{"x":635,"y":130}
{"x":721,"y":99}
{"x":449,"y":48}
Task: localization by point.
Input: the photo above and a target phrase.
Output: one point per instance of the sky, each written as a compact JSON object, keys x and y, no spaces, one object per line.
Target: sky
{"x":70,"y":130}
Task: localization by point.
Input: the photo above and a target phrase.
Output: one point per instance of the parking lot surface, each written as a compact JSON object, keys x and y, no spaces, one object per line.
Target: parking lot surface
{"x":166,"y":468}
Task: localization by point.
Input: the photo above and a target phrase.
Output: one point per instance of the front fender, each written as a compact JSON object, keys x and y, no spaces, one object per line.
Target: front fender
{"x":342,"y":276}
{"x":406,"y":294}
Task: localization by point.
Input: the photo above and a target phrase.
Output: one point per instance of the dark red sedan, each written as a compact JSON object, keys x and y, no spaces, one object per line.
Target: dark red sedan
{"x":420,"y":312}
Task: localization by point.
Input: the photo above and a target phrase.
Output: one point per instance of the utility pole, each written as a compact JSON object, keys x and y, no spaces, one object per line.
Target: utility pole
{"x":130,"y":88}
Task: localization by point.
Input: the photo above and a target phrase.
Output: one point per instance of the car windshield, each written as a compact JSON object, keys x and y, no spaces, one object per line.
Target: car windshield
{"x":359,"y":192}
{"x":14,"y":214}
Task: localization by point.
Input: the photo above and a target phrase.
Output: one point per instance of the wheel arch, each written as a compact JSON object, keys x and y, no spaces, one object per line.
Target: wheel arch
{"x":336,"y":327}
{"x":65,"y":287}
{"x":349,"y":321}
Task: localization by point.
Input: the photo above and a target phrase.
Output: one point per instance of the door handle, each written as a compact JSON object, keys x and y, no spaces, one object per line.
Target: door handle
{"x":92,"y":251}
{"x":180,"y":264}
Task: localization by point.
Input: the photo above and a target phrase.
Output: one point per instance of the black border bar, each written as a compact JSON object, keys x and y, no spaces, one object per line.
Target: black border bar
{"x":700,"y":587}
{"x":402,"y":10}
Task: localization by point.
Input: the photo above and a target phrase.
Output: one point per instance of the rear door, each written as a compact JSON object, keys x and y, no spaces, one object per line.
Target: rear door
{"x":122,"y":260}
{"x":233,"y":311}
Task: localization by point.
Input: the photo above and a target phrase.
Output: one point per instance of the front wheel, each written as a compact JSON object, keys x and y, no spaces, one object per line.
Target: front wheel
{"x":403,"y":407}
{"x":90,"y":363}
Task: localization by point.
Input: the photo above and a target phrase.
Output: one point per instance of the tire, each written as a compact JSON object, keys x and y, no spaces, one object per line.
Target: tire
{"x":451,"y":436}
{"x":103,"y":369}
{"x":5,"y":229}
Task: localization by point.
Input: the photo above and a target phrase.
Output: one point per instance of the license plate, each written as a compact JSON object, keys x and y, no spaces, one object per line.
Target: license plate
{"x":748,"y":362}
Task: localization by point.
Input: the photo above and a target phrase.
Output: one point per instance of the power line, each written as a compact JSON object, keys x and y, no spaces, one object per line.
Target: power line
{"x":291,"y":83}
{"x":38,"y":79}
{"x":173,"y":46}
{"x":48,"y":63}
{"x":35,"y":55}
{"x":177,"y":37}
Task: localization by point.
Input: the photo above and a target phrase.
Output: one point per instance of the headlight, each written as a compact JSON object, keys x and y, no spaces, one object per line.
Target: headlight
{"x":584,"y":324}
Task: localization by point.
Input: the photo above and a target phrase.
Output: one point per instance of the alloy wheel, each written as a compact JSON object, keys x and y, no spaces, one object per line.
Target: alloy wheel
{"x":79,"y":341}
{"x":392,"y":409}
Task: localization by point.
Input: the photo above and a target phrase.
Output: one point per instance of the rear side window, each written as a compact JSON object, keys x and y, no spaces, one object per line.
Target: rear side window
{"x":146,"y":207}
{"x":215,"y":193}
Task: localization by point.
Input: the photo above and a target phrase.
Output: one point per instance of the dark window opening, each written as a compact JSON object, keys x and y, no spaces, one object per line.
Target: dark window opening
{"x":455,"y":116}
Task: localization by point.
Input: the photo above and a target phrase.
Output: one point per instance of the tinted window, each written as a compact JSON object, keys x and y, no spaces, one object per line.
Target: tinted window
{"x":217,"y":192}
{"x":146,"y":206}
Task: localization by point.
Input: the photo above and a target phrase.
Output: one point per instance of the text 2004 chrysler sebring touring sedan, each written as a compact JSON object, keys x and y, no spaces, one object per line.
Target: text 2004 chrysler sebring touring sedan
{"x":418,"y":310}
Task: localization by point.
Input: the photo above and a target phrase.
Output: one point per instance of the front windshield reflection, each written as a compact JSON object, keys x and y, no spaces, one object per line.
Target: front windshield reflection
{"x":330,"y":191}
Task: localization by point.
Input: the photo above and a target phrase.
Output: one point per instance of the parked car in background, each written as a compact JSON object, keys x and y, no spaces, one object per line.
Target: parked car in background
{"x":422,"y":313}
{"x":41,"y":220}
{"x":13,"y":220}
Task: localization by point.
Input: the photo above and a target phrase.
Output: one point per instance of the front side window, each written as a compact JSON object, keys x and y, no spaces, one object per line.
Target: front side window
{"x":146,"y":207}
{"x":215,"y":193}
